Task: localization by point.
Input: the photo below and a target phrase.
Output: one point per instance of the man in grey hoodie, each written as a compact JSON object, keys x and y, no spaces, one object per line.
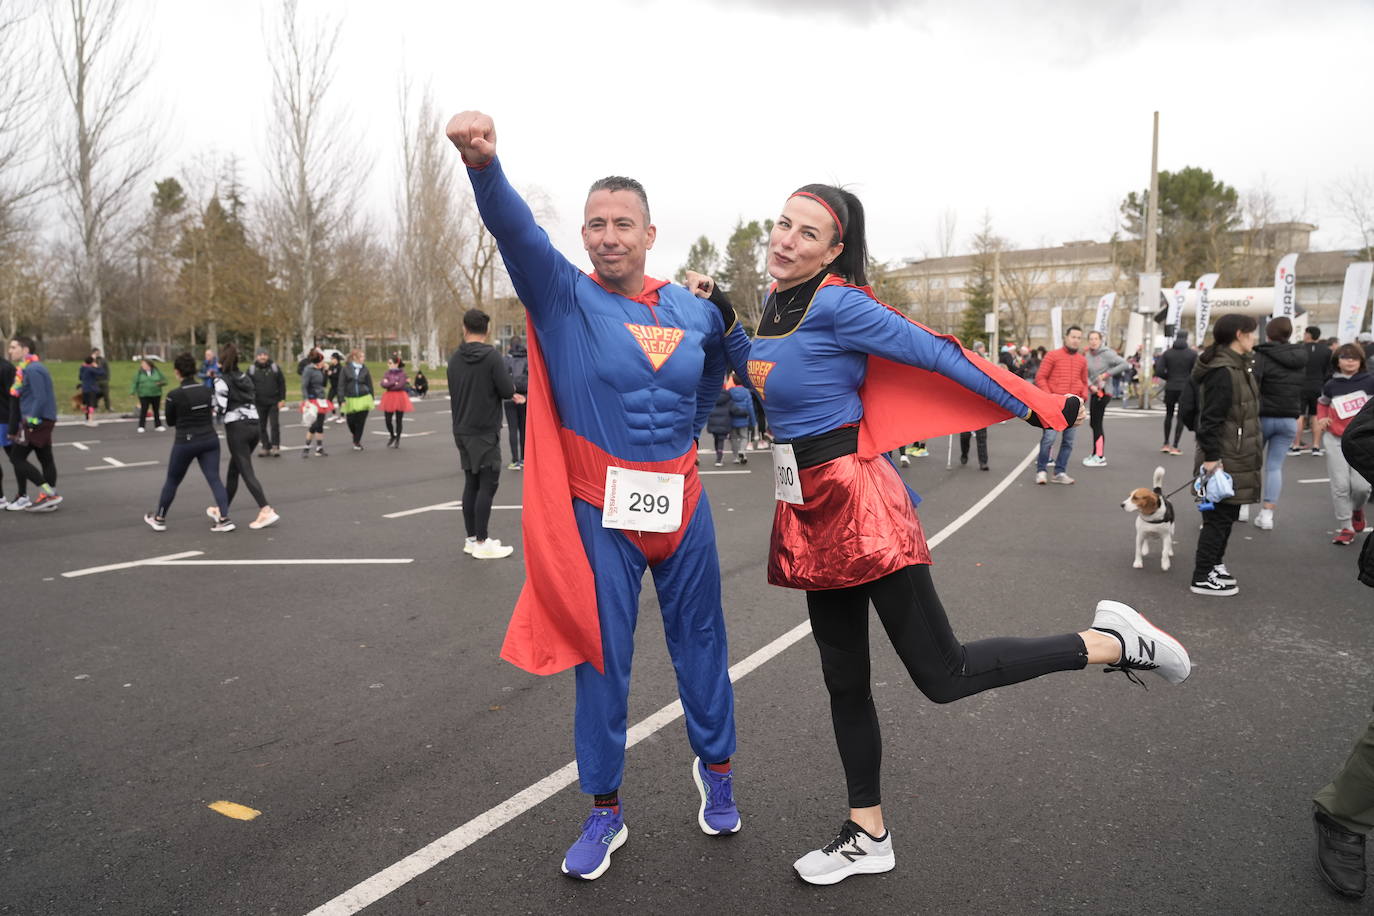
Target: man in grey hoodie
{"x":1104,"y":364}
{"x":478,"y":381}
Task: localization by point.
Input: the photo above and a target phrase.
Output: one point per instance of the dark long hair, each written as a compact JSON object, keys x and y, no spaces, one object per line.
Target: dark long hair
{"x":1227,"y":328}
{"x":852,"y":264}
{"x":229,"y":358}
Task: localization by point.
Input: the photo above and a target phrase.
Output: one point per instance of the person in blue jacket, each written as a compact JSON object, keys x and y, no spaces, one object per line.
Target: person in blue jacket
{"x":91,"y":376}
{"x":633,"y":365}
{"x":32,"y":420}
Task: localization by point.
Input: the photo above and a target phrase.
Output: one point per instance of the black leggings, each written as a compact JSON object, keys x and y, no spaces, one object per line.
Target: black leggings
{"x":943,"y":669}
{"x":9,"y":456}
{"x":144,"y":405}
{"x":399,"y":416}
{"x":205,"y":451}
{"x":1213,"y":538}
{"x":1097,"y":413}
{"x":515,"y":427}
{"x":242,"y":437}
{"x":1170,"y":403}
{"x":479,"y":491}
{"x":356,"y":421}
{"x":19,"y":457}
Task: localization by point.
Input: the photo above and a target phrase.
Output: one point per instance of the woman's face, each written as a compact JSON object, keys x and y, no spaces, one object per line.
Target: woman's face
{"x":1246,"y":340}
{"x":1349,"y":365}
{"x":799,"y":247}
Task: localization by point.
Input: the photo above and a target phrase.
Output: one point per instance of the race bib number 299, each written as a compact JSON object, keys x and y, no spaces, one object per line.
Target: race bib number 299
{"x":642,"y":501}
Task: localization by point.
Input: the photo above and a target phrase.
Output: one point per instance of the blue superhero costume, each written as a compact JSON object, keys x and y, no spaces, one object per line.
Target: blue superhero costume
{"x":633,"y":381}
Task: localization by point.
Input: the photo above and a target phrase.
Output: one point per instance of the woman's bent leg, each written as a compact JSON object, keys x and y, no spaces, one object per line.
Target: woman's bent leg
{"x":946,"y":670}
{"x":208,"y":458}
{"x":243,"y":438}
{"x":177,"y":464}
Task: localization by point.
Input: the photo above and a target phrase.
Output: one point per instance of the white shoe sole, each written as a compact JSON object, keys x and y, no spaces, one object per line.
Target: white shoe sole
{"x":600,"y":870}
{"x":1225,"y":592}
{"x":701,"y":812}
{"x":258,"y":526}
{"x":1133,"y":619}
{"x":868,"y":865}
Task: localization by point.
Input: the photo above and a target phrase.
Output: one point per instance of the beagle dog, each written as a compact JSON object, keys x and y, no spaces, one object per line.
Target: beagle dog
{"x":1154,"y":519}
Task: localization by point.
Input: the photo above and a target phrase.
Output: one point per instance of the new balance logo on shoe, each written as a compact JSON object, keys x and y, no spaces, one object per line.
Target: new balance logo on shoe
{"x":1147,"y":648}
{"x":852,"y":854}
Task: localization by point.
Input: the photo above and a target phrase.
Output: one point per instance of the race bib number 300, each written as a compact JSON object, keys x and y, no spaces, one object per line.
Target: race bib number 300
{"x":1347,"y":405}
{"x":787,"y":479}
{"x":642,"y":501}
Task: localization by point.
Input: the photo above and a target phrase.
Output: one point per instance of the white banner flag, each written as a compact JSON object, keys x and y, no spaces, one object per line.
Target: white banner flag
{"x":1104,"y":313}
{"x":1204,"y":308}
{"x":1354,"y":298}
{"x":1286,"y":288}
{"x":1176,"y":303}
{"x":1057,"y":325}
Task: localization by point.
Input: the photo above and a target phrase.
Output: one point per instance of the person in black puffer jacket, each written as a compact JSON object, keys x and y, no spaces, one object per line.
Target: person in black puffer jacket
{"x":718,"y":423}
{"x":1174,"y":366}
{"x":1280,"y":370}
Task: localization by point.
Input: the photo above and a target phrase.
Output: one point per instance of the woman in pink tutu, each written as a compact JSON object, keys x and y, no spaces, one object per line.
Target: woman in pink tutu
{"x":395,"y":402}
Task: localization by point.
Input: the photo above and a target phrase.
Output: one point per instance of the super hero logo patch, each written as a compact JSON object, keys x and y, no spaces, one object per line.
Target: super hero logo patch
{"x":657,"y":342}
{"x":758,"y":375}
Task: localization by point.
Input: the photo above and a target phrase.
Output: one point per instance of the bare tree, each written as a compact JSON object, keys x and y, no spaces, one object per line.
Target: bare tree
{"x":314,"y":172}
{"x":946,"y":227}
{"x":428,"y":249}
{"x":1353,"y":198}
{"x":102,"y":152}
{"x":26,"y":294}
{"x":21,"y":98}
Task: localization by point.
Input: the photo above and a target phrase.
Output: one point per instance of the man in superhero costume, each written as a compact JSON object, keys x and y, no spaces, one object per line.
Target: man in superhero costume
{"x":623,"y":372}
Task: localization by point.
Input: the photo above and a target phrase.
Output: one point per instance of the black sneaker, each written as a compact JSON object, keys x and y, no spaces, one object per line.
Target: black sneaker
{"x":1223,"y":575}
{"x":1340,"y":856}
{"x":1213,"y":586}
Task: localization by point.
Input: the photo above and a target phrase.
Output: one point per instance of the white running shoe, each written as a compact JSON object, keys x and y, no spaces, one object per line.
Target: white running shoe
{"x":491,"y":549}
{"x":1144,"y":646}
{"x":1244,"y":514}
{"x":1094,"y":461}
{"x":18,"y":503}
{"x":154,"y":523}
{"x":3,"y":502}
{"x":1264,"y":519}
{"x":468,"y":544}
{"x":903,"y":460}
{"x":852,"y":852}
{"x":1061,"y":477}
{"x":264,"y":521}
{"x":1042,"y":477}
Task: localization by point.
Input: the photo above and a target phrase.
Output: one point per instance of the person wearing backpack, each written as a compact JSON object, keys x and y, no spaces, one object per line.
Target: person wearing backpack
{"x":235,"y":397}
{"x":518,"y":365}
{"x":269,"y":387}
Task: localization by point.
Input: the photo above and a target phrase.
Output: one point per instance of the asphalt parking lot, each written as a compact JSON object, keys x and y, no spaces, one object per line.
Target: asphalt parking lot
{"x":339,"y":674}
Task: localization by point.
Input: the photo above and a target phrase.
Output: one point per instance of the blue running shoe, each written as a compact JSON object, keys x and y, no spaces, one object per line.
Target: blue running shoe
{"x":602,"y":834}
{"x":718,"y":813}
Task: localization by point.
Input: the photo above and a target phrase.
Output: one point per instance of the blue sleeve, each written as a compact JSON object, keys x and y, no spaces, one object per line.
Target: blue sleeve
{"x":543,"y":279}
{"x":737,"y":346}
{"x":712,"y":371}
{"x":863,"y":325}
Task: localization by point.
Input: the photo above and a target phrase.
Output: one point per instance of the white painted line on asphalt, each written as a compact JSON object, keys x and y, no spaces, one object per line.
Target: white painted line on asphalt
{"x":378,"y":432}
{"x":454,"y":506}
{"x":184,"y":559}
{"x":422,"y":860}
{"x":82,"y":444}
{"x":112,"y":464}
{"x":150,"y":561}
{"x":1316,"y":480}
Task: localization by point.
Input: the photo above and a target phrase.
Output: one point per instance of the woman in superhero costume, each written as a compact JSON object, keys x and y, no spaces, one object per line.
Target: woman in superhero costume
{"x":845,"y":378}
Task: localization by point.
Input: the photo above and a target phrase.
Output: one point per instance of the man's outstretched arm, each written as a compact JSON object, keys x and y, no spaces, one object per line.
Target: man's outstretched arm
{"x":542,"y":277}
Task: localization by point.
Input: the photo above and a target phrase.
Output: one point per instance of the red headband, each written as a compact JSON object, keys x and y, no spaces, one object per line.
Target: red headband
{"x":828,"y":209}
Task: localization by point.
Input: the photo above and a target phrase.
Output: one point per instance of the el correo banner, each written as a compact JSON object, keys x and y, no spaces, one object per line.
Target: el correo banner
{"x":1057,"y":323}
{"x":1104,"y":313}
{"x":1176,"y":303}
{"x":1354,"y":297}
{"x":1204,"y":308}
{"x":1286,"y":288}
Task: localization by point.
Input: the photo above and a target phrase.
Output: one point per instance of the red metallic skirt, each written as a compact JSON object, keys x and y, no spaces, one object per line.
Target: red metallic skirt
{"x":857,"y":525}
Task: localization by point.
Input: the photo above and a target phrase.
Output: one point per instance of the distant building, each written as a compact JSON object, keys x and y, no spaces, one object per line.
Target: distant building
{"x":1075,"y":275}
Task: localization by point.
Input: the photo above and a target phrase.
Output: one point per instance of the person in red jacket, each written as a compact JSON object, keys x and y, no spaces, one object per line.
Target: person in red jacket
{"x":1063,"y":371}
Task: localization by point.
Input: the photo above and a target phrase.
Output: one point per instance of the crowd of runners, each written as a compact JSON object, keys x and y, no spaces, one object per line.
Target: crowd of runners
{"x":836,"y":384}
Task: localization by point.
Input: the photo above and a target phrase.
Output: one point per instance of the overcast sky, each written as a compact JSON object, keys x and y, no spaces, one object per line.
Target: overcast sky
{"x":1038,"y":111}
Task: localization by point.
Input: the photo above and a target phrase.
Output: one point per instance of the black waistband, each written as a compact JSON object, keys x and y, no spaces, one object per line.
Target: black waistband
{"x":818,"y":449}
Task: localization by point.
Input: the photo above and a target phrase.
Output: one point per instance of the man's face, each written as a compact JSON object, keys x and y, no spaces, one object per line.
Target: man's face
{"x":263,"y":359}
{"x":616,"y":234}
{"x":1073,"y":340}
{"x":209,"y":355}
{"x":16,"y":352}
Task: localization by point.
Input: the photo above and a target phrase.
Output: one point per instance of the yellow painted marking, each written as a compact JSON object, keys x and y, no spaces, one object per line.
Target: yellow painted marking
{"x":237,"y":812}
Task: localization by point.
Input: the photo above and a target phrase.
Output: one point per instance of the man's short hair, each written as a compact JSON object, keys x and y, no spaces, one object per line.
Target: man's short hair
{"x":1071,"y":328}
{"x":476,"y":321}
{"x":621,"y":183}
{"x":26,"y":342}
{"x":1314,"y":332}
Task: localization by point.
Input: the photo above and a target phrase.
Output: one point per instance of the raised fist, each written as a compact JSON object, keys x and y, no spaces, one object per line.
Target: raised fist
{"x":474,"y":133}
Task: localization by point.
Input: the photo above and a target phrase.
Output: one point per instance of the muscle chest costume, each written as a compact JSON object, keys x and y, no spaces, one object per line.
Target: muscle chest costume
{"x":852,"y":361}
{"x":613,"y":382}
